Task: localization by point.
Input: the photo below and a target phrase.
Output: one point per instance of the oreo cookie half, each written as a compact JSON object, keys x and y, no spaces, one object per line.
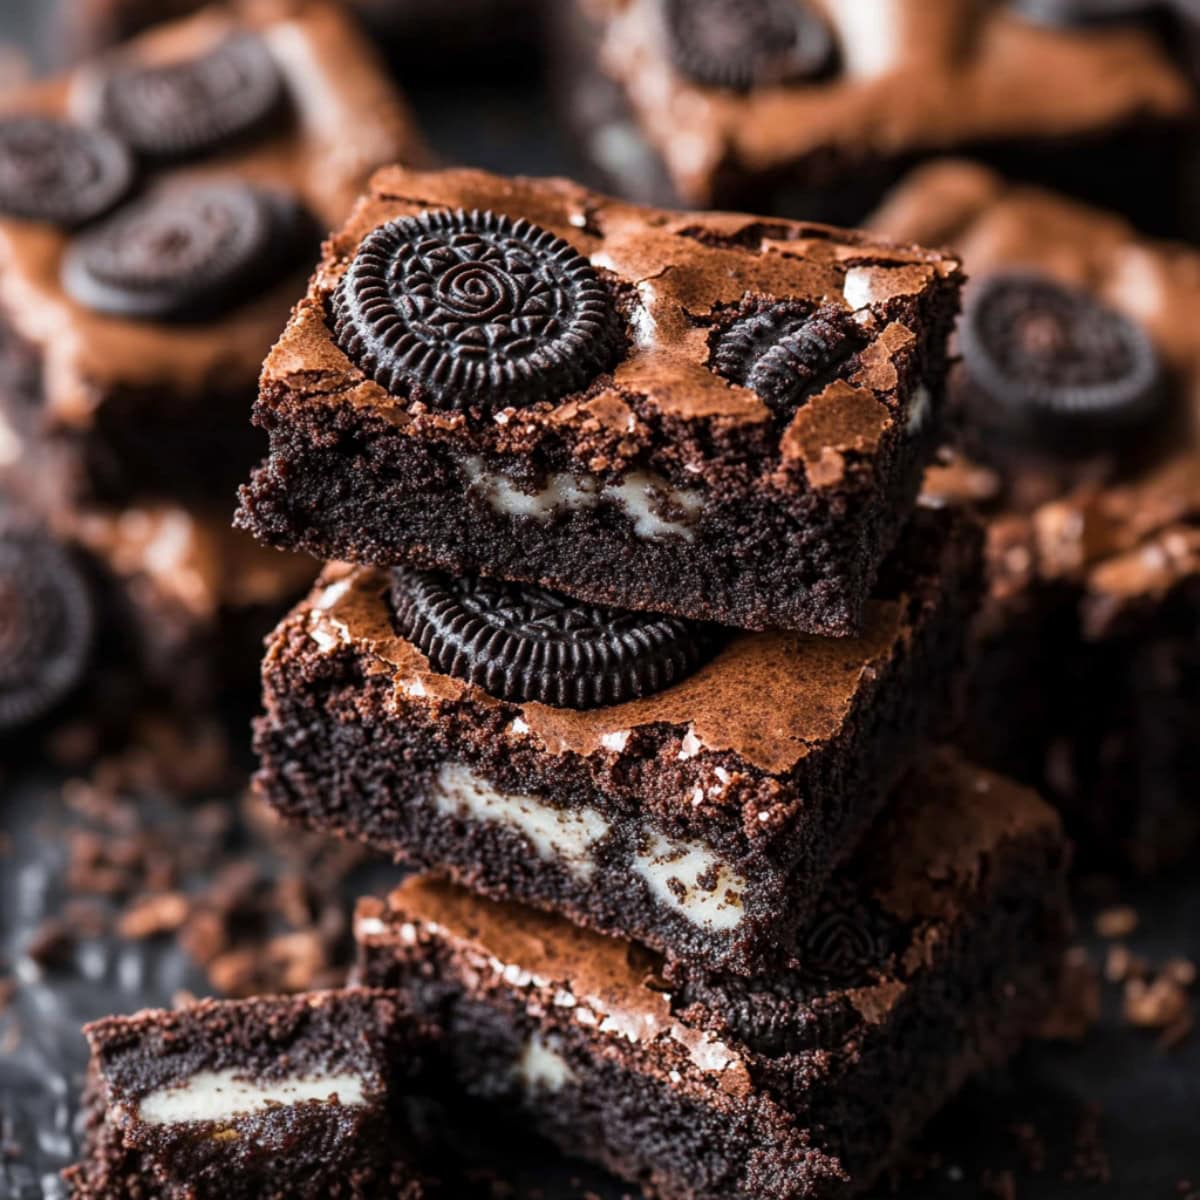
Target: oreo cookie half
{"x":743,"y":44}
{"x":1045,"y":352}
{"x":1070,"y":14}
{"x":46,"y":626}
{"x":474,"y":309}
{"x":519,"y":642}
{"x":185,"y":252}
{"x":55,"y":171}
{"x":191,"y":107}
{"x":784,"y":351}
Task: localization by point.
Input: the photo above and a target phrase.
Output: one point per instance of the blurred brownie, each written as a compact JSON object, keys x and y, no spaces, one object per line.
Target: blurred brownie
{"x":1077,"y":414}
{"x":934,"y":956}
{"x":297,"y":1097}
{"x":811,"y":107}
{"x":159,"y":210}
{"x":689,"y":787}
{"x":709,"y":415}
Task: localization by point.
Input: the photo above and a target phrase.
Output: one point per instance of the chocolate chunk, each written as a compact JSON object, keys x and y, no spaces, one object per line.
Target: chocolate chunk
{"x":520,"y":642}
{"x":785,"y":351}
{"x":187,"y":108}
{"x":471,"y":309}
{"x":1067,"y":14}
{"x":1042,"y":351}
{"x":185,"y":252}
{"x":55,"y":171}
{"x":46,"y":626}
{"x":742,"y":44}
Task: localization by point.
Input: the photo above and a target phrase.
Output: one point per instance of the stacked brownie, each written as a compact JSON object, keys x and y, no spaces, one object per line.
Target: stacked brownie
{"x":1077,"y":434}
{"x":160,"y":208}
{"x":636,"y":648}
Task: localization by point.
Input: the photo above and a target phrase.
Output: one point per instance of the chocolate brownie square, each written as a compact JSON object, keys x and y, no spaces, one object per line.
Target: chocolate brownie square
{"x":701,"y":414}
{"x":297,"y":1097}
{"x":159,"y":210}
{"x":1078,"y":437}
{"x":935,"y":954}
{"x":689,"y":787}
{"x":812,"y":107}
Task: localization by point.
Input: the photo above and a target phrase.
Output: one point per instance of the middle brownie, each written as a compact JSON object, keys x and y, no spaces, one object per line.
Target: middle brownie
{"x":716,"y":416}
{"x":688,"y":787}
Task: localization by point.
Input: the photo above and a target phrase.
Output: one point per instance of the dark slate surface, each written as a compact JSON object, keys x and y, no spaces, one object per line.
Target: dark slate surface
{"x":1115,"y":1107}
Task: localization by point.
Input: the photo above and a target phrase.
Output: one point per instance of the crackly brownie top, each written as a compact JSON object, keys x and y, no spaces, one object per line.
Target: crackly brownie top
{"x":200,"y":163}
{"x":516,"y":312}
{"x":770,"y":699}
{"x":767,"y":83}
{"x":925,"y":870}
{"x":1130,"y":535}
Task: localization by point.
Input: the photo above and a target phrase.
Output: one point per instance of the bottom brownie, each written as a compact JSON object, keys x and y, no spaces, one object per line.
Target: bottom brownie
{"x":937,"y":950}
{"x":289,"y":1097}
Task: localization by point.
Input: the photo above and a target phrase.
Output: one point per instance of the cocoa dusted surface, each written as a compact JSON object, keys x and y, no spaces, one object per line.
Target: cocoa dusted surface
{"x":794,"y":510}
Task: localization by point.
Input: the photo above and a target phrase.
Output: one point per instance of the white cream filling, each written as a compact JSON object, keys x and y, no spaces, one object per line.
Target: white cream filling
{"x":559,"y":834}
{"x":870,"y":35}
{"x":920,"y":407}
{"x":223,"y":1096}
{"x":641,"y":496}
{"x":673,"y":871}
{"x":542,"y":1069}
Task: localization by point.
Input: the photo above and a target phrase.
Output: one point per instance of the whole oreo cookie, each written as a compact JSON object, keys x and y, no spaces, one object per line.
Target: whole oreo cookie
{"x":784,"y":351}
{"x":1042,"y":351}
{"x":46,"y":626}
{"x":55,"y":171}
{"x":473,"y":309}
{"x":191,"y":107}
{"x":519,"y":642}
{"x":743,"y":44}
{"x":1067,"y":14}
{"x":184,"y":252}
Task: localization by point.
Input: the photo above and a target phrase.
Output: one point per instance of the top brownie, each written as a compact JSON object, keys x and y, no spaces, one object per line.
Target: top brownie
{"x":159,"y":210}
{"x":809,"y":105}
{"x":709,"y":414}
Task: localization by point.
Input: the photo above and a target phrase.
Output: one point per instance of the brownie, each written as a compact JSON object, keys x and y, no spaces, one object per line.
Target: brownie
{"x":811,"y":109}
{"x":298,"y":1096}
{"x":1090,"y":627}
{"x":702,"y":818}
{"x":136,"y":312}
{"x":706,"y":415}
{"x":935,"y":956}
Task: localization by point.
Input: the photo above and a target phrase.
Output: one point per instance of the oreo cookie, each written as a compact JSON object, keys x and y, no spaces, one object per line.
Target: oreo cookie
{"x":847,"y":944}
{"x":474,"y":310}
{"x":1069,"y":14}
{"x":1041,"y":352}
{"x":784,"y":351}
{"x":519,"y":642}
{"x":55,"y":171}
{"x":185,"y":252}
{"x":183,"y":109}
{"x":743,"y":44}
{"x":46,"y":626}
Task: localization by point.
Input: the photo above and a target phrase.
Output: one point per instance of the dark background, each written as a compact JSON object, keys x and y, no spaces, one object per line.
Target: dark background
{"x":1115,"y":1116}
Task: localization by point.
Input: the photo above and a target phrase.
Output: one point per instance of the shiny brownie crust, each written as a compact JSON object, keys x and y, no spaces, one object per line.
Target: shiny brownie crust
{"x":774,"y":758}
{"x":794,"y":512}
{"x":699,"y":1086}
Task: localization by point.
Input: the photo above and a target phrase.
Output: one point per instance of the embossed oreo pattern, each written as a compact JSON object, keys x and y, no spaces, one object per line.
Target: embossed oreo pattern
{"x":1039,"y":349}
{"x":521,"y":643}
{"x":46,"y":626}
{"x":55,"y":171}
{"x":187,"y":108}
{"x":472,"y":309}
{"x":743,"y":44}
{"x":784,"y":352}
{"x":847,"y":943}
{"x":185,"y":252}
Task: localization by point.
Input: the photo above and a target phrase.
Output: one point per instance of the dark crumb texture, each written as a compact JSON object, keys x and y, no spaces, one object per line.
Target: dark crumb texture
{"x":361,"y":1049}
{"x":767,"y":508}
{"x":703,"y":820}
{"x":939,"y":951}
